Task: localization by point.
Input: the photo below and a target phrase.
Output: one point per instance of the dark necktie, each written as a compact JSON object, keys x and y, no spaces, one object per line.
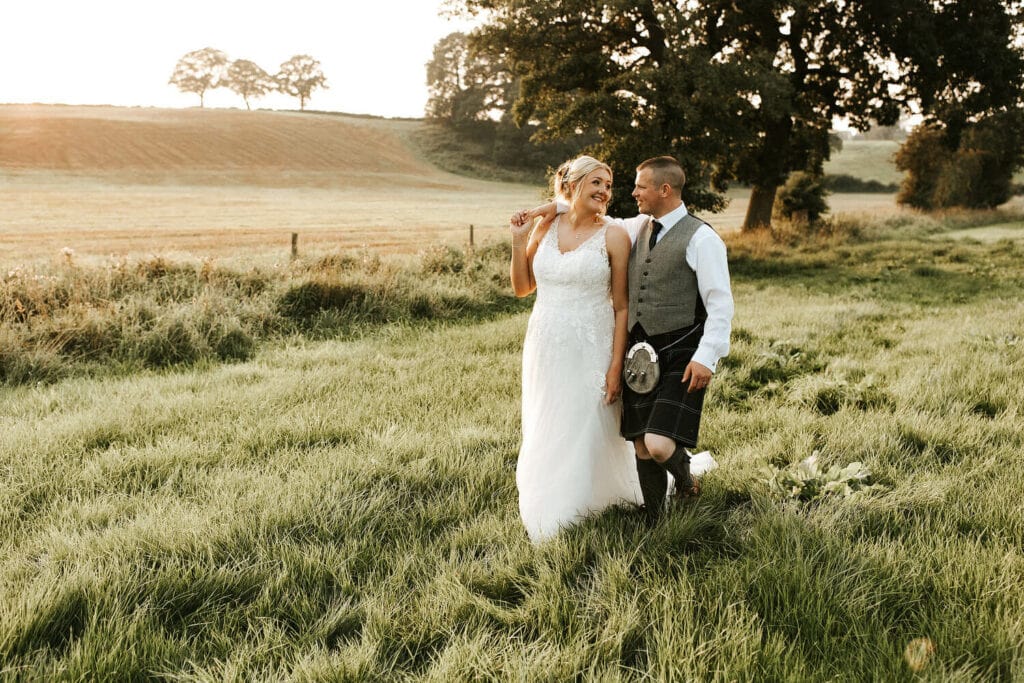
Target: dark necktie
{"x":655,"y":229}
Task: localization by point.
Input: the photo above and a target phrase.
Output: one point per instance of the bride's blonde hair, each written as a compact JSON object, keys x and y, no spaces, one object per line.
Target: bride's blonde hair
{"x":572,"y":172}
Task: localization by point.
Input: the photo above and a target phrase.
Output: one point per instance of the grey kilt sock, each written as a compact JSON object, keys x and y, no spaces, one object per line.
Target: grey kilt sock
{"x":653,"y":486}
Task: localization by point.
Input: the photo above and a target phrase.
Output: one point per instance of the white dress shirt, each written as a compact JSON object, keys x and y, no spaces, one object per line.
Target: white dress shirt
{"x":705,"y":254}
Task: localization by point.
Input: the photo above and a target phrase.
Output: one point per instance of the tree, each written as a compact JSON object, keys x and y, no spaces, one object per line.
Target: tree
{"x":248,"y":80}
{"x":802,"y":198}
{"x":972,"y":167}
{"x":464,"y":85}
{"x":745,"y":90}
{"x":199,"y":71}
{"x":299,"y":77}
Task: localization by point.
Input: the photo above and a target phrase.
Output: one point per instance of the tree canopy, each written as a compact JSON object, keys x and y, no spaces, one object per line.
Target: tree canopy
{"x":249,"y":80}
{"x":299,"y":77}
{"x":465,"y":85}
{"x":199,"y":71}
{"x":746,"y":91}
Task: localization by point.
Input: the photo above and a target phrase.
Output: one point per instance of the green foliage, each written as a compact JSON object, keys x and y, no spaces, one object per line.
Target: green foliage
{"x":802,"y":197}
{"x":159,"y":313}
{"x":494,"y":150}
{"x":742,"y":92}
{"x":844,"y":182}
{"x":973,"y":171}
{"x":808,"y":482}
{"x":466,"y":85}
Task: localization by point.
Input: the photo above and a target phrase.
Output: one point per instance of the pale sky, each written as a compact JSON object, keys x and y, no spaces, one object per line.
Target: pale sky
{"x":122,"y":52}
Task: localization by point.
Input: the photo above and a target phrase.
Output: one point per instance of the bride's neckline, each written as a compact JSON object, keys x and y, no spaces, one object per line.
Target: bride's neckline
{"x":558,"y":241}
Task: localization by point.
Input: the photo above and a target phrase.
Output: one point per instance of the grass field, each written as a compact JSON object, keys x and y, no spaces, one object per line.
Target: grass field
{"x":867,"y":160}
{"x":245,"y":467}
{"x":344,"y":508}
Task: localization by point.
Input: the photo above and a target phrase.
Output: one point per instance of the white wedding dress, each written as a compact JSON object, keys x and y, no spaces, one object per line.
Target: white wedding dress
{"x":572,"y":461}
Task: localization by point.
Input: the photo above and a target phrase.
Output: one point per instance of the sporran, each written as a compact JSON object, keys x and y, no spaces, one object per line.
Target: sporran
{"x":641,"y":370}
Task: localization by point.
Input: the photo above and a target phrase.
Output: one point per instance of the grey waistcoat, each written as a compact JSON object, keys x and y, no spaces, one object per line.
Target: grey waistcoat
{"x":663,"y":294}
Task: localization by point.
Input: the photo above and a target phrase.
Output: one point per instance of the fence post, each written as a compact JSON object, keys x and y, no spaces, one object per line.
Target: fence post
{"x":295,"y":245}
{"x":471,"y":234}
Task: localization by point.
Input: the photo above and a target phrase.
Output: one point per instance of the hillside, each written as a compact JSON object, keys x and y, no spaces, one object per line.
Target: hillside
{"x":174,"y":141}
{"x":227,"y":183}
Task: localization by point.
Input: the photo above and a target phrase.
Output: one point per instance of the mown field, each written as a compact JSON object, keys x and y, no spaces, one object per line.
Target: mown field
{"x":337,"y":501}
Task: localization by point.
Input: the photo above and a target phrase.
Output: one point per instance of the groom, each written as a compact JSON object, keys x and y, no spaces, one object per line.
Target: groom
{"x":680,"y":302}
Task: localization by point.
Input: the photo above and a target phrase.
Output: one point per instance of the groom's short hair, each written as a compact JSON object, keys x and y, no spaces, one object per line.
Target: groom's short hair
{"x":664,"y":170}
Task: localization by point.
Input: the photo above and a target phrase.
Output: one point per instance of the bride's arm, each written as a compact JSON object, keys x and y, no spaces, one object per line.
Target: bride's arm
{"x":525,"y":238}
{"x":618,"y":246}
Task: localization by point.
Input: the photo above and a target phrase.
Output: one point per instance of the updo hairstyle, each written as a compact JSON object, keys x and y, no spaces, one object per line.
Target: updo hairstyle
{"x":572,"y":172}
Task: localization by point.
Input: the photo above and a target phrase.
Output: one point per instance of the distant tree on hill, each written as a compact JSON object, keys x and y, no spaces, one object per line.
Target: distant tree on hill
{"x":248,"y":79}
{"x":199,"y":71}
{"x":299,"y":77}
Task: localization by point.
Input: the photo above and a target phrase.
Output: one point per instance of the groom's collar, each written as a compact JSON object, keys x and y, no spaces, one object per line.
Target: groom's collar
{"x":672,"y":217}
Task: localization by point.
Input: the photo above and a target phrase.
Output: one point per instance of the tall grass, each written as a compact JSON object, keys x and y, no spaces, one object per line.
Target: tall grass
{"x":345,"y":508}
{"x":72,"y":319}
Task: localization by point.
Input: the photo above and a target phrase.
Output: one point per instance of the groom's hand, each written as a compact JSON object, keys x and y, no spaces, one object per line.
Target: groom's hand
{"x":697,"y":375}
{"x":546,"y":212}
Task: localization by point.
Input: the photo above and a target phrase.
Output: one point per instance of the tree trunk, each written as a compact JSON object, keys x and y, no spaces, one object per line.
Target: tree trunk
{"x":759,"y":210}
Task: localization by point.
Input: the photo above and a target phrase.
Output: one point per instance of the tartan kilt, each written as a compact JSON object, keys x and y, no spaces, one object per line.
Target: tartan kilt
{"x":668,"y":409}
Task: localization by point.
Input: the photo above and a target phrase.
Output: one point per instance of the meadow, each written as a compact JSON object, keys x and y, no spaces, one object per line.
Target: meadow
{"x":218,"y":468}
{"x":342,"y":506}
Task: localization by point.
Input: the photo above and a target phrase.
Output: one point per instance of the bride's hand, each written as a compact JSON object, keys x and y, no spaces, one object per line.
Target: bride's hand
{"x":612,"y":385}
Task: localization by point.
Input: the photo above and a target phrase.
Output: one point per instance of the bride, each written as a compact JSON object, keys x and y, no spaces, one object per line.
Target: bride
{"x":572,"y":461}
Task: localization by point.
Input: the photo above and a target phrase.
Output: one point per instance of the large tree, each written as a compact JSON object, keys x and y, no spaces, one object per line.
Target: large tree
{"x":746,"y":90}
{"x":299,"y":77}
{"x":199,"y":71}
{"x":465,"y":85}
{"x":249,"y":80}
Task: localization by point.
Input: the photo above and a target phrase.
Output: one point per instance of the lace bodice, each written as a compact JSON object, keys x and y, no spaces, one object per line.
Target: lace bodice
{"x":573,"y":309}
{"x":578,"y":278}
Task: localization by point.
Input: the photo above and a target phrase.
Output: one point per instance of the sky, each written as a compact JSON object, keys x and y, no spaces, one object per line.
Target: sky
{"x":122,"y":52}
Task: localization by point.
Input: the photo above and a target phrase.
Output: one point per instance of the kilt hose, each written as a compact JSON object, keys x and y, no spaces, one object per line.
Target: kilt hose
{"x":668,"y":409}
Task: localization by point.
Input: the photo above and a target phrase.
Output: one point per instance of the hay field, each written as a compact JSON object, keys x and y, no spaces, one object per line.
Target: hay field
{"x":232,"y":184}
{"x":224,"y":183}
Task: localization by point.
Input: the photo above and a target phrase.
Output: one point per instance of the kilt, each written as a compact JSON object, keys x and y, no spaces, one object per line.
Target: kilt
{"x":668,"y":409}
